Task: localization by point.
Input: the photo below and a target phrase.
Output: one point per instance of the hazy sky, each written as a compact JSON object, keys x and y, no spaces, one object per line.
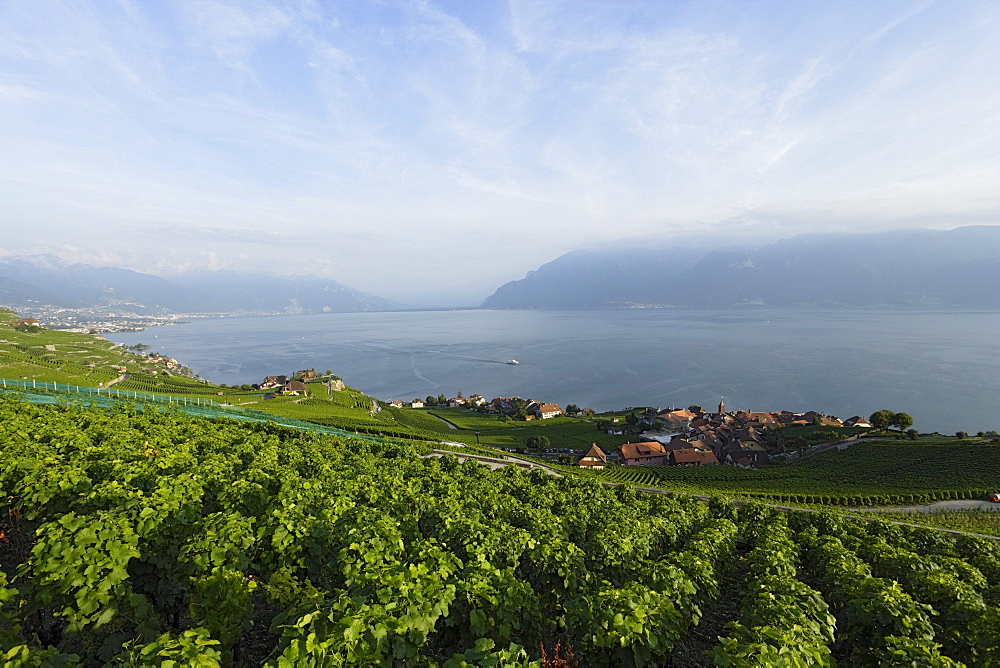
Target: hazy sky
{"x":413,"y":149}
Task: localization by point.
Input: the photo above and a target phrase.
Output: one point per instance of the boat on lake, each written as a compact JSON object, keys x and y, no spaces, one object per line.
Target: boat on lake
{"x":514,"y":362}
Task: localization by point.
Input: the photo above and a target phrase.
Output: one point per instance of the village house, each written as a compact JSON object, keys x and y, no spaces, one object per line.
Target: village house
{"x":648,"y":418}
{"x":678,"y":420}
{"x":416,"y":403}
{"x":504,"y":405}
{"x":593,"y":459}
{"x":396,"y":404}
{"x":546,"y":411}
{"x":745,"y":455}
{"x":693,"y":457}
{"x":857,"y":421}
{"x":647,"y":453}
{"x":271,"y":382}
{"x":812,"y":417}
{"x":295,"y":387}
{"x":759,"y":420}
{"x":784,"y":417}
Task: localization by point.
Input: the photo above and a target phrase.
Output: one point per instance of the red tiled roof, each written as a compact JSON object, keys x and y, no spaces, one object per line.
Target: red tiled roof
{"x":645,"y":449}
{"x":695,"y":457}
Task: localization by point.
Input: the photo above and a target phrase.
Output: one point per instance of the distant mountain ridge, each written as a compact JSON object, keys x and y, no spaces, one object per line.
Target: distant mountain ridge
{"x":959,"y":267}
{"x":44,"y":281}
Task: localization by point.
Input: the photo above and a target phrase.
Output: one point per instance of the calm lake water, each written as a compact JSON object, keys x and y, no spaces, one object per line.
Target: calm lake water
{"x":941,"y":366}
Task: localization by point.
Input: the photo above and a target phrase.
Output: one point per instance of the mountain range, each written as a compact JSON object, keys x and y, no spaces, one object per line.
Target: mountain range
{"x":959,"y":267}
{"x":44,"y":281}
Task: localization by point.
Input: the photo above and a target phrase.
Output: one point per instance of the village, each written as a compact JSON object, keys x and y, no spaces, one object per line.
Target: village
{"x":695,"y":437}
{"x":665,"y":437}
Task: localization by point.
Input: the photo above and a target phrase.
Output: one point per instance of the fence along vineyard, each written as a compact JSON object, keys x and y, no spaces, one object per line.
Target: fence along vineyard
{"x":140,"y":537}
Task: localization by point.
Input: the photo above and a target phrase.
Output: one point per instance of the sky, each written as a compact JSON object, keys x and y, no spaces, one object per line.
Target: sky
{"x":430,"y":151}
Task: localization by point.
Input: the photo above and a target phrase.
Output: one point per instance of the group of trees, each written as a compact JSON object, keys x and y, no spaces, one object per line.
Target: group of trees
{"x":884,"y":419}
{"x":537,"y":443}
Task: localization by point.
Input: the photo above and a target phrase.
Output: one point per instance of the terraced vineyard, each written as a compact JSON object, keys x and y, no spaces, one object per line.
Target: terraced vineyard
{"x":873,"y":473}
{"x":18,"y":360}
{"x":562,"y":432}
{"x":146,"y":537}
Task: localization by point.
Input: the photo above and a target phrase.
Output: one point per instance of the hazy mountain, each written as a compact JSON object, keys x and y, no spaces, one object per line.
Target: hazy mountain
{"x":82,"y":286}
{"x":45,"y":281}
{"x":959,"y":267}
{"x":597,"y":278}
{"x":17,"y":293}
{"x":245,"y":292}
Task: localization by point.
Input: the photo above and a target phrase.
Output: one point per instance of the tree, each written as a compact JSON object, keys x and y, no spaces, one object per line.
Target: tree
{"x":695,"y":408}
{"x":881,"y":419}
{"x":901,"y":420}
{"x":520,"y":408}
{"x":536,"y":442}
{"x":912,"y":434}
{"x":431,"y":400}
{"x":442,"y":399}
{"x":961,"y":435}
{"x":572,"y":409}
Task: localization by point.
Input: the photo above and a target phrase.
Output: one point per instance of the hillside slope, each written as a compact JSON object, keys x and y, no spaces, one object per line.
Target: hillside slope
{"x":31,"y":283}
{"x":959,"y":267}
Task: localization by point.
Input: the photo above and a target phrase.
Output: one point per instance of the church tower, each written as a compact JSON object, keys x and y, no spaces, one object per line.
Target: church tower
{"x":722,"y":406}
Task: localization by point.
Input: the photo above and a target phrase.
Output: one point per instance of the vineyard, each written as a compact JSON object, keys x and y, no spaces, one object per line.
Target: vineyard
{"x":866,"y":474}
{"x":177,"y":385}
{"x":25,"y":362}
{"x":562,"y":432}
{"x":144,"y":537}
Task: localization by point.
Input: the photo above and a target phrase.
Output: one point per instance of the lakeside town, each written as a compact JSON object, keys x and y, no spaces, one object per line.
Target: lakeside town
{"x":664,"y":437}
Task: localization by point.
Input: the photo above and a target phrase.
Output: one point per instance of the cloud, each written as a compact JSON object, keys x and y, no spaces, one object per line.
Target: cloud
{"x":405,"y":142}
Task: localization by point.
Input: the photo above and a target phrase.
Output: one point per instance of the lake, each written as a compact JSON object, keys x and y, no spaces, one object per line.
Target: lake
{"x":941,"y":366}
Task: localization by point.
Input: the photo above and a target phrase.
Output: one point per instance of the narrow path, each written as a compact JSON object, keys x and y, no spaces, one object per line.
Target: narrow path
{"x":119,"y":379}
{"x":496,"y":463}
{"x":451,"y":425}
{"x":740,"y":502}
{"x":952,"y":505}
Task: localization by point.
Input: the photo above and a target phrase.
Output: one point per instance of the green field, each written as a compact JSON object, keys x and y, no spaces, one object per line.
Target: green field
{"x":61,"y":357}
{"x":867,"y":473}
{"x":563,"y":432}
{"x":973,"y":521}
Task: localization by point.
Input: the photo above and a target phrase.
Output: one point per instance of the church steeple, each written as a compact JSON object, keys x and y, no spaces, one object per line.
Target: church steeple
{"x":722,"y":406}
